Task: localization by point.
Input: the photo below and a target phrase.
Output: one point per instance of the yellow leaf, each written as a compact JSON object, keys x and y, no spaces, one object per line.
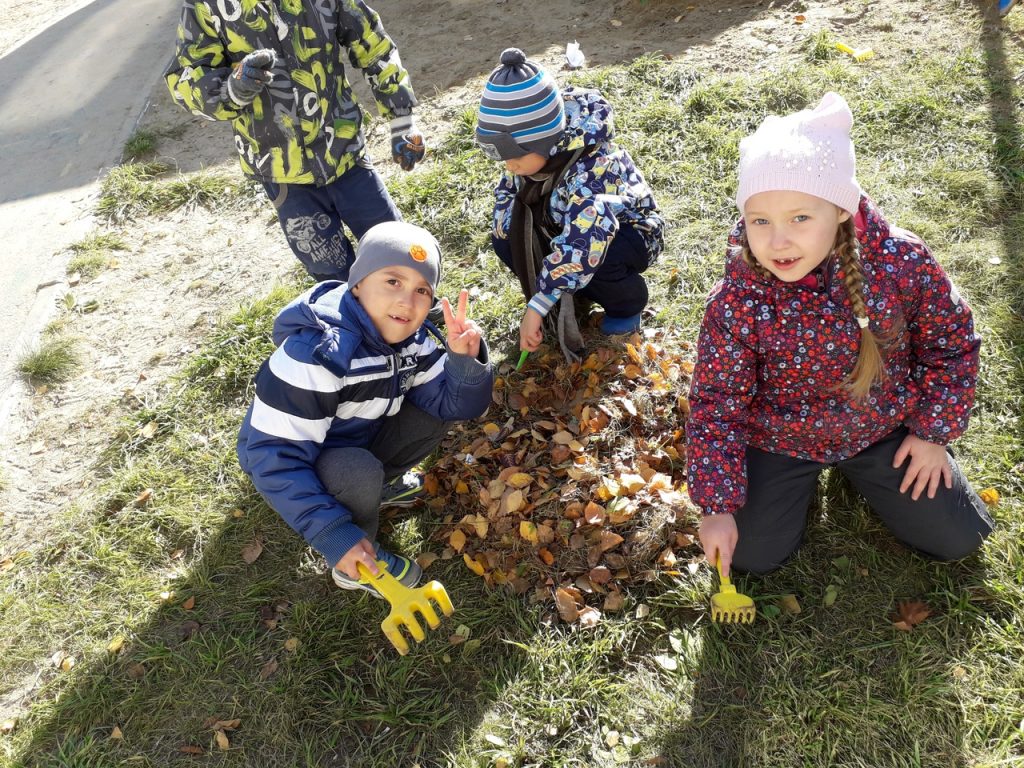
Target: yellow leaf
{"x":143,"y":497}
{"x":480,"y":525}
{"x":789,"y":604}
{"x":291,"y":644}
{"x":149,"y":430}
{"x":229,"y":725}
{"x":457,"y":540}
{"x":519,"y":480}
{"x":631,"y":483}
{"x":461,"y":487}
{"x":514,"y":501}
{"x":632,"y":372}
{"x":115,"y":734}
{"x":634,"y":355}
{"x":528,"y":531}
{"x":473,"y":564}
{"x":990,"y":496}
{"x":491,"y":430}
{"x":67,"y":663}
{"x":115,"y":645}
{"x":222,"y":741}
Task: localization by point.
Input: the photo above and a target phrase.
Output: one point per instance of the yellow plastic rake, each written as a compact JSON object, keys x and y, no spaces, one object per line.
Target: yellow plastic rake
{"x":405,"y":603}
{"x":728,"y":605}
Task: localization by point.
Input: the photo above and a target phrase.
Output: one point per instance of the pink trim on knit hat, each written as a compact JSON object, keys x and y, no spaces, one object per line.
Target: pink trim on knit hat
{"x":808,"y":151}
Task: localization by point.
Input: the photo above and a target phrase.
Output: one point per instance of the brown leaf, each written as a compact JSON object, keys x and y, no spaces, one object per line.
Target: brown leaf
{"x":268,"y":669}
{"x":291,"y":644}
{"x":116,"y":734}
{"x":609,"y":540}
{"x":191,"y":749}
{"x":149,"y":429}
{"x":143,"y":497}
{"x":136,"y":671}
{"x":222,"y":741}
{"x":911,"y":613}
{"x":589,"y":616}
{"x":188,"y":628}
{"x":545,"y":555}
{"x":563,"y":437}
{"x":426,"y":559}
{"x":229,"y":725}
{"x":189,"y":604}
{"x":600,"y":575}
{"x":614,"y":602}
{"x":594,"y":513}
{"x":566,"y":606}
{"x":252,"y":551}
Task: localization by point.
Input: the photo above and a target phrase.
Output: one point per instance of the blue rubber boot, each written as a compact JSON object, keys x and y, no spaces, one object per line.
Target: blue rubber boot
{"x":613,"y":326}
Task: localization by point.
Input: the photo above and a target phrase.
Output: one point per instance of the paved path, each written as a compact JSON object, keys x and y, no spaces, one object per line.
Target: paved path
{"x":70,"y":97}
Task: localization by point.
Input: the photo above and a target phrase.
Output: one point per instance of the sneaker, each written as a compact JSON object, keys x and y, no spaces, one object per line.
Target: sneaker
{"x":402,"y":491}
{"x":1005,"y":6}
{"x":408,"y":573}
{"x":613,"y":326}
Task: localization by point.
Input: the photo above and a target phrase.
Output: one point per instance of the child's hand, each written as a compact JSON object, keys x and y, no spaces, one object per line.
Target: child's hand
{"x":718,"y":536}
{"x":251,"y":75}
{"x":530,"y":333}
{"x":929,"y":463}
{"x":362,"y":552}
{"x":463,"y":335}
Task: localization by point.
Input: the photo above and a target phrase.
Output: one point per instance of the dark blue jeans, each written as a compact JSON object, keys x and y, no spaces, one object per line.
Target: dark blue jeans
{"x":617,"y":286}
{"x":312,"y":218}
{"x":779,"y":490}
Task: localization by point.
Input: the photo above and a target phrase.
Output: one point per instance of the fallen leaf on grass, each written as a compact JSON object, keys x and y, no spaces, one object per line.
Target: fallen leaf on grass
{"x":909,"y":614}
{"x":614,"y":602}
{"x":790,"y":604}
{"x":8,"y":725}
{"x":143,"y":497}
{"x":222,"y":741}
{"x":136,"y":671}
{"x":426,"y":559}
{"x":457,"y":540}
{"x":528,"y":531}
{"x":188,"y":628}
{"x":189,"y":604}
{"x":251,"y":552}
{"x":799,"y":19}
{"x":990,"y":496}
{"x":115,"y":645}
{"x":667,"y":662}
{"x":149,"y":430}
{"x":268,"y":669}
{"x":191,"y":749}
{"x":566,"y":605}
{"x":115,"y":734}
{"x":589,"y":616}
{"x":474,"y":564}
{"x":831,"y":593}
{"x":291,"y":644}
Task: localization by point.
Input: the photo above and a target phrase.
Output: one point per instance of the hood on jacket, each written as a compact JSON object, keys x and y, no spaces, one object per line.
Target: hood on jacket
{"x":588,"y":120}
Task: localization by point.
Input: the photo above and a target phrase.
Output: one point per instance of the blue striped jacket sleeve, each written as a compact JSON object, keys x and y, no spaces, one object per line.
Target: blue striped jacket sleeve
{"x":295,"y":403}
{"x":449,"y":386}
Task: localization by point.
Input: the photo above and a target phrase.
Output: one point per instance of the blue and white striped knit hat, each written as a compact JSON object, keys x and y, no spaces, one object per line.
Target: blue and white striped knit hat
{"x":520,"y":111}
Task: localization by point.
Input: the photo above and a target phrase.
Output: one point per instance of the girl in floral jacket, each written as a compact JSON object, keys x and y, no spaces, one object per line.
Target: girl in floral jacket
{"x":834,"y":339}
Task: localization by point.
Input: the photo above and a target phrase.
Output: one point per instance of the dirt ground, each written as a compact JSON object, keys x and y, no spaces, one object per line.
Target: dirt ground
{"x":182,"y":272}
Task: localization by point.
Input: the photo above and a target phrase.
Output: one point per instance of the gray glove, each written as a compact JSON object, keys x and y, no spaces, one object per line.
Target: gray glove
{"x":251,"y":75}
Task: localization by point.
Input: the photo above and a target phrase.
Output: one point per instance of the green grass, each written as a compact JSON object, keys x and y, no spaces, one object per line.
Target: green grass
{"x":655,"y":685}
{"x":52,"y":360}
{"x":140,"y":144}
{"x":141,"y":188}
{"x":94,"y":254}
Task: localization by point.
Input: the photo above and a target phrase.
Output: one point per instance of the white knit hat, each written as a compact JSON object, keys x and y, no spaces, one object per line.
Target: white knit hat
{"x":809,"y":151}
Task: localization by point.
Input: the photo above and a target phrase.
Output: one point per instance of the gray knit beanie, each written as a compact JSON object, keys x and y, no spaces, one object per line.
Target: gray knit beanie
{"x":397,"y":243}
{"x":520,"y":111}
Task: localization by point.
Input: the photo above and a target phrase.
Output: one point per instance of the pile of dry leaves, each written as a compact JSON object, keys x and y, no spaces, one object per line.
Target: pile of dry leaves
{"x":577,"y":485}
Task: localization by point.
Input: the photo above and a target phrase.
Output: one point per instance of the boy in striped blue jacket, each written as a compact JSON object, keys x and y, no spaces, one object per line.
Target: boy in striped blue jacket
{"x":357,"y":393}
{"x":572,"y":214}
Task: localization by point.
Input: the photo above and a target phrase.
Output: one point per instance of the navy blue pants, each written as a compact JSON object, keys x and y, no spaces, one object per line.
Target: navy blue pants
{"x":312,"y":217}
{"x":779,"y":490}
{"x":617,"y":286}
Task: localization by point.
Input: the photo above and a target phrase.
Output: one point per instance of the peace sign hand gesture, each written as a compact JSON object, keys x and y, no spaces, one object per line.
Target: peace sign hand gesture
{"x":463,"y":334}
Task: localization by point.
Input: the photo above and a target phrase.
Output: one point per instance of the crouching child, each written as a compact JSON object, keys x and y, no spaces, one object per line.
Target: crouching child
{"x":359,"y":391}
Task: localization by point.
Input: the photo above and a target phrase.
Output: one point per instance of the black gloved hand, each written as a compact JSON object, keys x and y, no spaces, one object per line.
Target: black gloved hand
{"x":251,"y":75}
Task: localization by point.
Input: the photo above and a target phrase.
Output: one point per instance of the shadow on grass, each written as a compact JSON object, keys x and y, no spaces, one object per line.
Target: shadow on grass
{"x":836,"y":683}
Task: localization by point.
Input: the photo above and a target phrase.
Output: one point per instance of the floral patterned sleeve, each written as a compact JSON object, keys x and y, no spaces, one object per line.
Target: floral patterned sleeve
{"x":944,"y":344}
{"x":724,"y":382}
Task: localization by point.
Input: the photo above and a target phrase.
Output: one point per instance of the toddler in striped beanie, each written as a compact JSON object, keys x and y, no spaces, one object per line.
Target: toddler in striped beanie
{"x":573,"y":214}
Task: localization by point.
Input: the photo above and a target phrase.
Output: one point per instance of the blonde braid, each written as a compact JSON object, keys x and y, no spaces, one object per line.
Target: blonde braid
{"x":869,"y":368}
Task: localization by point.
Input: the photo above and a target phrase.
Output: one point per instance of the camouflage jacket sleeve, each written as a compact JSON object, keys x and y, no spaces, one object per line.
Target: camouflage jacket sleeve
{"x":197,"y":73}
{"x":371,"y":50}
